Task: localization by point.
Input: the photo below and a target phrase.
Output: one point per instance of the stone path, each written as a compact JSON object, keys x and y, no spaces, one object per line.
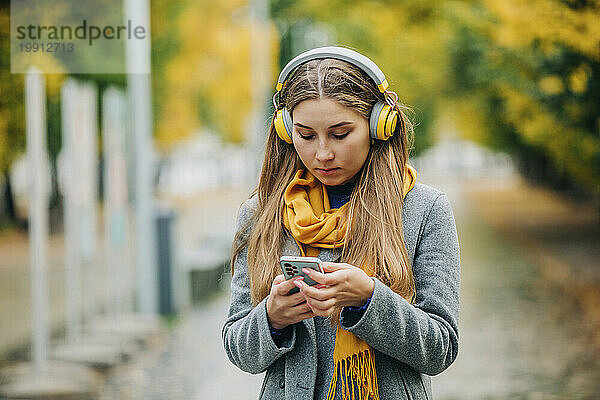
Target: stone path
{"x":190,"y":364}
{"x":15,"y":299}
{"x":520,"y":338}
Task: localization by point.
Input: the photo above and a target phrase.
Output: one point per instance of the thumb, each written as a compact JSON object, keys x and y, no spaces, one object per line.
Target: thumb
{"x":332,"y":267}
{"x":284,"y":287}
{"x":278,"y":279}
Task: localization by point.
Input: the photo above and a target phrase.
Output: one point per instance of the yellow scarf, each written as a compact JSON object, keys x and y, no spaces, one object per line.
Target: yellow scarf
{"x":308,"y":216}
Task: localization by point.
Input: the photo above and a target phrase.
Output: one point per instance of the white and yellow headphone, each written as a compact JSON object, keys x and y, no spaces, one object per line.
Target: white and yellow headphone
{"x":384,"y":117}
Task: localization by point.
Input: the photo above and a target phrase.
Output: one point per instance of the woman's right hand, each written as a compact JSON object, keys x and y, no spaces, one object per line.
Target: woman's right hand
{"x":285,"y":309}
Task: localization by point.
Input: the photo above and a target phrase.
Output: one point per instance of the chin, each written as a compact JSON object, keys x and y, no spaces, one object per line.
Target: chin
{"x":331,"y":181}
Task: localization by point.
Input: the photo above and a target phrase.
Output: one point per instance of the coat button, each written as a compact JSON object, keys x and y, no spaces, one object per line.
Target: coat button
{"x":282,"y":383}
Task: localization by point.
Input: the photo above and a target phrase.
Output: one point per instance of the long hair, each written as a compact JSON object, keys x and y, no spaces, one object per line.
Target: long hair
{"x":375,"y":238}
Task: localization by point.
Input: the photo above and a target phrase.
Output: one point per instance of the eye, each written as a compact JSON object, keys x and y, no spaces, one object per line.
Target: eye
{"x":306,"y":136}
{"x":341,"y":136}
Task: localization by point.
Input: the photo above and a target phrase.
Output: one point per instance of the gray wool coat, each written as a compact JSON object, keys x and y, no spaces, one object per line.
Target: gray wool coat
{"x":411,"y":341}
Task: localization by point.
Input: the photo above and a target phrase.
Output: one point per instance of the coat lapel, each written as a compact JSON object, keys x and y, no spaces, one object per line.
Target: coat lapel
{"x":290,"y":247}
{"x":330,"y":255}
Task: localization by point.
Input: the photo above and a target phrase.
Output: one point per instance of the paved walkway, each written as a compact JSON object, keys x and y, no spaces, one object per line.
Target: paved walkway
{"x":15,"y":299}
{"x":190,"y":364}
{"x":520,"y":337}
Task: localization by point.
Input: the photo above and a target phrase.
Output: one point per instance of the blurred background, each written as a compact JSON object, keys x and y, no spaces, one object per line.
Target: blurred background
{"x":114,"y":279}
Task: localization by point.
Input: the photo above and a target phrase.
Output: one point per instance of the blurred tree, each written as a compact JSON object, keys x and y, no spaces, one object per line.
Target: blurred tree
{"x":200,"y":77}
{"x":522,"y":77}
{"x":526,"y":79}
{"x":200,"y":65}
{"x":12,"y":119}
{"x":12,"y":114}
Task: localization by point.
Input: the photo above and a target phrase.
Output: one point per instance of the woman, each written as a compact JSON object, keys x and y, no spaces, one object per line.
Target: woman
{"x":335,"y":184}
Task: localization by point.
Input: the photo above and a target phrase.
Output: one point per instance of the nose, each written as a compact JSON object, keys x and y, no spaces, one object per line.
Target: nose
{"x":324,"y":152}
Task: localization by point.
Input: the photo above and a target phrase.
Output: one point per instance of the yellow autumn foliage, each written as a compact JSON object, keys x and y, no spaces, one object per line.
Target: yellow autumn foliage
{"x":207,"y":82}
{"x":536,"y":61}
{"x":520,"y":23}
{"x":578,"y":80}
{"x":551,"y":84}
{"x":410,"y":50}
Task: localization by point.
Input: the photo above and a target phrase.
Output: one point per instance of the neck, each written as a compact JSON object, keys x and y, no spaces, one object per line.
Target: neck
{"x":350,"y":183}
{"x":340,"y":194}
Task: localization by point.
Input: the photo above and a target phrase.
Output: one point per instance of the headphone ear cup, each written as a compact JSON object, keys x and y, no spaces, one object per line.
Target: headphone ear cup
{"x":284,"y":125}
{"x":382,"y":122}
{"x":375,"y":111}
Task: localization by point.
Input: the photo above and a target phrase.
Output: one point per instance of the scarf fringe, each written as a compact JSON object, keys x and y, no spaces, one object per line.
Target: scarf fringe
{"x":358,"y":377}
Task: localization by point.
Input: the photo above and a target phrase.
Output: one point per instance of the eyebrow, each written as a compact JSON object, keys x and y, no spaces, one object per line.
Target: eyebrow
{"x":339,"y":124}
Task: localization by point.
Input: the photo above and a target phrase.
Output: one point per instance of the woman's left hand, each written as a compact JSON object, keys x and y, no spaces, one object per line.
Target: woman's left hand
{"x":342,"y":285}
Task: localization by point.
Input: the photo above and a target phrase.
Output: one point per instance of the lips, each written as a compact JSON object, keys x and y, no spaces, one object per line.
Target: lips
{"x":327,"y":171}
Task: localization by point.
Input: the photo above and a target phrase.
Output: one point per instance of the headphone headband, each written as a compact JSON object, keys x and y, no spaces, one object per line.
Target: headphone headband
{"x":383,"y":116}
{"x":340,"y":53}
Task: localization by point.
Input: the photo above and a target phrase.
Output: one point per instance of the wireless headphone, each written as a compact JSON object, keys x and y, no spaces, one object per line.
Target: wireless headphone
{"x":384,"y":117}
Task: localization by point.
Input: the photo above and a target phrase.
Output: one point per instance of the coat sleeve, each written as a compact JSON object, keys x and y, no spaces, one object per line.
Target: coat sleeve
{"x":423,"y":335}
{"x":246,"y":335}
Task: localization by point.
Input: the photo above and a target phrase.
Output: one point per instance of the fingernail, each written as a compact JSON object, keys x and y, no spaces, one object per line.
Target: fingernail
{"x":297,"y":283}
{"x":306,"y":270}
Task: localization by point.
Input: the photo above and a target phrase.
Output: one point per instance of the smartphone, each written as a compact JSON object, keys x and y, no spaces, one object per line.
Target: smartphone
{"x":292,"y":267}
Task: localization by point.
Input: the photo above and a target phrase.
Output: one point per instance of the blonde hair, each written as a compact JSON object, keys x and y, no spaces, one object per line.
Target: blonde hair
{"x":375,"y":237}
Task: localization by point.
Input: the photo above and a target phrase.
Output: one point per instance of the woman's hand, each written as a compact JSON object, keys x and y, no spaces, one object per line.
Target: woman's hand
{"x":343,"y":285}
{"x":284,"y":309}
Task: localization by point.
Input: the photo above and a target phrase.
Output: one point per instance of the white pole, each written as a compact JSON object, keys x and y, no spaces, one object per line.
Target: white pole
{"x":108,"y":127}
{"x":115,"y":199}
{"x":89,"y":183}
{"x":35,"y":113}
{"x":69,"y":104}
{"x":138,"y":76}
{"x":260,"y":62}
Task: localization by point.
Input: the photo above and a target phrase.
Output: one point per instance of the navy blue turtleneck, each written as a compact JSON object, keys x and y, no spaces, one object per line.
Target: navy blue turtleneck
{"x":339,"y":195}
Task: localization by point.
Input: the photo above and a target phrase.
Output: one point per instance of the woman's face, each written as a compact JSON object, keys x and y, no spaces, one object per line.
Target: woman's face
{"x":332,"y":140}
